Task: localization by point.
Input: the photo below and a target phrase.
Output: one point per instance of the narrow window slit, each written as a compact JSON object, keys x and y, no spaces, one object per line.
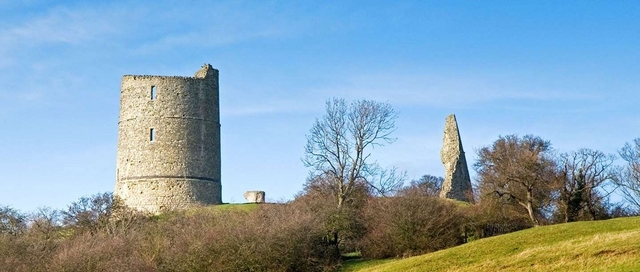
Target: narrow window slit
{"x":153,"y":92}
{"x":152,"y":134}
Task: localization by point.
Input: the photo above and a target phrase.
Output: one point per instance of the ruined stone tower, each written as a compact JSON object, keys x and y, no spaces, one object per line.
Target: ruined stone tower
{"x":457,"y":183}
{"x":169,"y":141}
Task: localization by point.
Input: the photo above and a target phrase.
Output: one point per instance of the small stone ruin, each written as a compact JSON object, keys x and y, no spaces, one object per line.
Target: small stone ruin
{"x":254,"y":196}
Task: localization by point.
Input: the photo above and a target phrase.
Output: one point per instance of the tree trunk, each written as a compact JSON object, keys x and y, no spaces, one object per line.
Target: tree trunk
{"x":530,"y":208}
{"x":592,"y":210}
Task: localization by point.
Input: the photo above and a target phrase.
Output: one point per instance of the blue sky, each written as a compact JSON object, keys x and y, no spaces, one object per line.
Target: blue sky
{"x":566,"y":71}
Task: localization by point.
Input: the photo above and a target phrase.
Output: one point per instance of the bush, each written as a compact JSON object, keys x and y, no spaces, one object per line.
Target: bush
{"x":343,"y":226}
{"x":100,"y":252}
{"x":96,"y":235}
{"x":410,"y":225}
{"x":273,"y":238}
{"x":492,"y":217}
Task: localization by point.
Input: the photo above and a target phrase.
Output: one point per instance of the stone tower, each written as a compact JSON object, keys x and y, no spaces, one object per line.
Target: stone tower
{"x":457,"y":184}
{"x":169,"y":141}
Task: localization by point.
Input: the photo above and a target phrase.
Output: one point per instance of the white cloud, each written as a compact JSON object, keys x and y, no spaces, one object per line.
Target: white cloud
{"x":30,"y":96}
{"x":224,"y":23}
{"x":443,"y":90}
{"x":62,"y":25}
{"x":271,"y":106}
{"x":437,"y":90}
{"x":207,"y":37}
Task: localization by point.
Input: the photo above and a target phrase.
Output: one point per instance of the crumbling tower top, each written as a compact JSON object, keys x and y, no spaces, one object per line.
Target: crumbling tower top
{"x":206,"y":71}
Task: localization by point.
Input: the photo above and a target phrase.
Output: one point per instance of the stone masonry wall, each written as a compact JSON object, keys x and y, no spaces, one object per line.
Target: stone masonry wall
{"x":180,"y":166}
{"x":254,"y":196}
{"x":457,"y":183}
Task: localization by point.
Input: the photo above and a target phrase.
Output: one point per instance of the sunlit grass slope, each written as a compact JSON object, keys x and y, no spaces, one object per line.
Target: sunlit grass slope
{"x":235,"y":207}
{"x":611,"y":245}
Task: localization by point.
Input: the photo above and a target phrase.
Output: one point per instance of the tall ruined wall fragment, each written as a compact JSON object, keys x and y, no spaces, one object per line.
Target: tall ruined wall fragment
{"x":457,"y":183}
{"x":169,"y":141}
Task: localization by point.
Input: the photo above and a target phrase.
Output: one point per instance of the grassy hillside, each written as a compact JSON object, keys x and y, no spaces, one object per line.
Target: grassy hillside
{"x":235,"y":207}
{"x":611,"y":245}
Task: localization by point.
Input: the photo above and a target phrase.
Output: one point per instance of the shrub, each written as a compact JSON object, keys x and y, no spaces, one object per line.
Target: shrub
{"x":99,"y":252}
{"x":492,"y":217}
{"x":410,"y":225}
{"x":343,"y":226}
{"x":273,"y":238}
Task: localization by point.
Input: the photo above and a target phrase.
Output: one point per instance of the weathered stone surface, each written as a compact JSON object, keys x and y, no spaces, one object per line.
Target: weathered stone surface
{"x":457,"y":183}
{"x":169,"y":142}
{"x":254,"y":196}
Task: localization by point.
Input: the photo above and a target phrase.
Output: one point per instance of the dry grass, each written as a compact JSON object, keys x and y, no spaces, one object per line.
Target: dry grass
{"x":611,"y":245}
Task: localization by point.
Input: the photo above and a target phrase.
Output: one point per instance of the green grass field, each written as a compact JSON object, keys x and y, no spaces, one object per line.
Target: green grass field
{"x":235,"y":207}
{"x":611,"y":245}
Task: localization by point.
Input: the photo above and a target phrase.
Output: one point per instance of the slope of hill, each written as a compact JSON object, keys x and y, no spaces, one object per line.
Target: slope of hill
{"x":611,"y":245}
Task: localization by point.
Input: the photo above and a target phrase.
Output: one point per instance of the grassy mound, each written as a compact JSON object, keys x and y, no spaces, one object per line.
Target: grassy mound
{"x":611,"y":245}
{"x":235,"y":207}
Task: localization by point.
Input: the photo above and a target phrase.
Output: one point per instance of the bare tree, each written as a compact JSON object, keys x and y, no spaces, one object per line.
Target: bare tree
{"x":520,"y":171}
{"x":89,"y":213}
{"x":585,"y":174}
{"x":338,"y":147}
{"x":12,"y":221}
{"x":426,"y":185}
{"x":629,"y":178}
{"x":46,"y":222}
{"x":384,"y":181}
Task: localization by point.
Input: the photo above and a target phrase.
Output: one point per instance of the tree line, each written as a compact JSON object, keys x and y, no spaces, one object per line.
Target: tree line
{"x":522,"y":181}
{"x":348,"y":204}
{"x":527,"y":173}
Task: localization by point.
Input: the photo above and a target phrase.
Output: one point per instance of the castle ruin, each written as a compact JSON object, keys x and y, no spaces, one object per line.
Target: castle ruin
{"x":457,"y":183}
{"x":169,"y":141}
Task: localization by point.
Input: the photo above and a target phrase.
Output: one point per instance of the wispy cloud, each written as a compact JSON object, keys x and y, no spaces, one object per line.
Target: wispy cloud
{"x":134,"y":28}
{"x":207,"y":37}
{"x":441,"y":89}
{"x":224,"y":23}
{"x":30,"y":96}
{"x":61,"y":25}
{"x":438,"y":90}
{"x":87,"y":27}
{"x":146,"y":29}
{"x":271,"y":106}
